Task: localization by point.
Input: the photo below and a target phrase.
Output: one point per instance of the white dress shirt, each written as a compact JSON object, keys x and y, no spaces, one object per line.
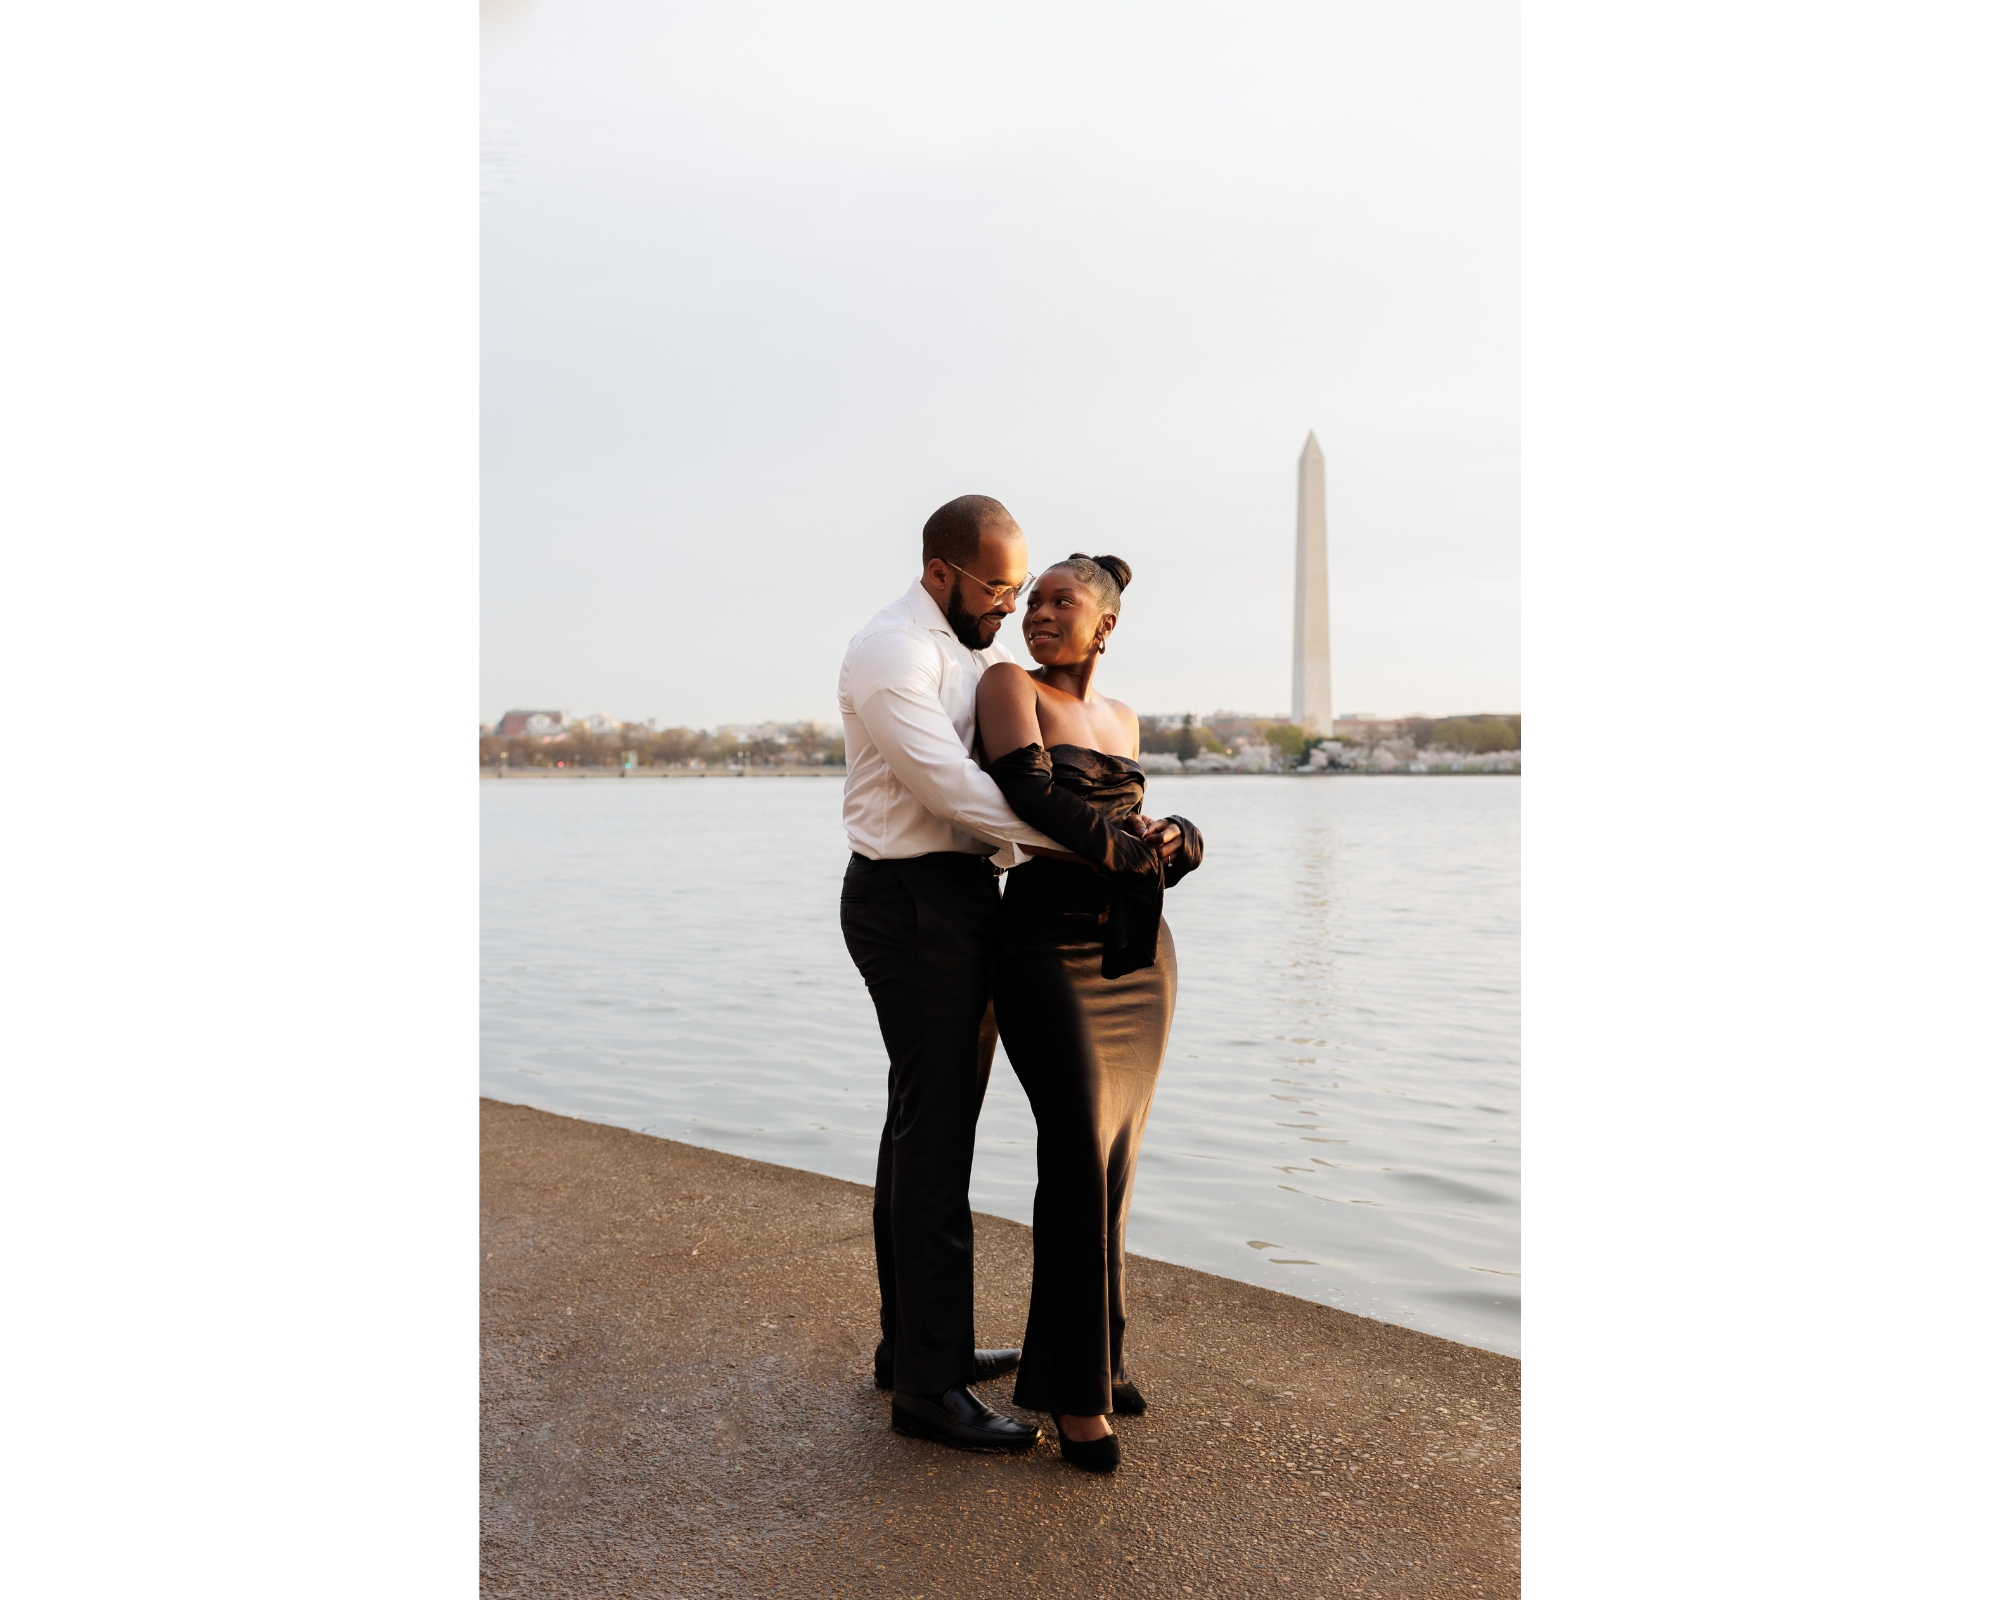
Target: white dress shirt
{"x":908,"y":706}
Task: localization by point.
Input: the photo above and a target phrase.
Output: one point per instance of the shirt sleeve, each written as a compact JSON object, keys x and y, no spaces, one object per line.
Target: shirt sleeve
{"x":908,"y":725}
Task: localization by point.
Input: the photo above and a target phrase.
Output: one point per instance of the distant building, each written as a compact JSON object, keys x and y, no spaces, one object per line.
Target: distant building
{"x":528,"y":724}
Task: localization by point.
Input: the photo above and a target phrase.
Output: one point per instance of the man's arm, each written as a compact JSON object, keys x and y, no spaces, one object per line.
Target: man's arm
{"x":921,"y":746}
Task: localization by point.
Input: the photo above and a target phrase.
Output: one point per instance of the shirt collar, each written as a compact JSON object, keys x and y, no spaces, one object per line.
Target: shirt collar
{"x":925,"y":610}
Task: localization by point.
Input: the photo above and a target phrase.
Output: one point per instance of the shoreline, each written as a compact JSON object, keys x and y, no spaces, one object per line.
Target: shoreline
{"x":677,"y":1399}
{"x":496,"y":774}
{"x":509,"y":774}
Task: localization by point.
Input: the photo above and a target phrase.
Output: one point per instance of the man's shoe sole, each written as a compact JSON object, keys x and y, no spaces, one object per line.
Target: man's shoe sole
{"x":918,"y":1428}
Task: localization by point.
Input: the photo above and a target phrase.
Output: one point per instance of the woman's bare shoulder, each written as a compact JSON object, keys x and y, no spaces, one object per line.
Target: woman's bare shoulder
{"x":1006,"y":683}
{"x":1127,"y":718}
{"x":1007,"y":712}
{"x":1124,"y":713}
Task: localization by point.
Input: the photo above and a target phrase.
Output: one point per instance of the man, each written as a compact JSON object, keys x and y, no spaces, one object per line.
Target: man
{"x":920,"y":910}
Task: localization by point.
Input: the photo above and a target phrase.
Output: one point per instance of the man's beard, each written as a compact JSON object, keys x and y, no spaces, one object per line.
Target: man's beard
{"x":971,"y":630}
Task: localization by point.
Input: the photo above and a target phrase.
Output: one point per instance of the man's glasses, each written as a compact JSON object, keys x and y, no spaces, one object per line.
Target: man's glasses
{"x":1001,"y":592}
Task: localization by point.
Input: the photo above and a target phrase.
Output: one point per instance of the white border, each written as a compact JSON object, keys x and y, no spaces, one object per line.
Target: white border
{"x":240,"y":392}
{"x":1759,"y":524}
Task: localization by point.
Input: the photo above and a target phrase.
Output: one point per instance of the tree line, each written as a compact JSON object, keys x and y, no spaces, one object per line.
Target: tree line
{"x":798,"y":744}
{"x":1471,"y":735}
{"x":814,"y":744}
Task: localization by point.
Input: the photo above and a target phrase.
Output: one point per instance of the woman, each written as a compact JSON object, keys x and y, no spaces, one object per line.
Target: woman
{"x":1083,"y":988}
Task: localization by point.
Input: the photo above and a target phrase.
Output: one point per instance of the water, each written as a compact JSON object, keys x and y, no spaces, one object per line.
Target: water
{"x":1339,"y":1113}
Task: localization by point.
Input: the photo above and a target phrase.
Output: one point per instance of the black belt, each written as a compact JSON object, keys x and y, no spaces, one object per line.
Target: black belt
{"x":946,"y":859}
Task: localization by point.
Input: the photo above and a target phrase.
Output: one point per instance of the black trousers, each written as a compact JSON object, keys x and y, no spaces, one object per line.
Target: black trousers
{"x":922,"y":931}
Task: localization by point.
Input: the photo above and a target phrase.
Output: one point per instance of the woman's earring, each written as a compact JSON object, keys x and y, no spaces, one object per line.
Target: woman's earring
{"x":1100,"y":644}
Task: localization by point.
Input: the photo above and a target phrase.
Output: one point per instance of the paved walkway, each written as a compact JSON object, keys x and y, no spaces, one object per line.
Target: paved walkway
{"x":677,"y":1400}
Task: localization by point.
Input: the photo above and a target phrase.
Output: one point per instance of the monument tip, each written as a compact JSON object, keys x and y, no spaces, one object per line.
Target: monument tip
{"x":1312,"y":447}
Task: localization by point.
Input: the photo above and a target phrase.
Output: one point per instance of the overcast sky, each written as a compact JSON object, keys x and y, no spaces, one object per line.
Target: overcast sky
{"x":764,"y":284}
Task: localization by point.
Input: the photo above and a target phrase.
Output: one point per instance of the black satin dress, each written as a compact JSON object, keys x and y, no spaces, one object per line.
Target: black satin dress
{"x":1083,"y":991}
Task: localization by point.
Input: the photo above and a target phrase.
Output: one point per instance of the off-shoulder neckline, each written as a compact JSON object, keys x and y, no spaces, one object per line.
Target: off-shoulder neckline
{"x":1100,"y":754}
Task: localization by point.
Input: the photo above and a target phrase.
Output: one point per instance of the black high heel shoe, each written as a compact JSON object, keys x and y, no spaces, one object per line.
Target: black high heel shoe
{"x":1127,"y":1401}
{"x":1093,"y":1455}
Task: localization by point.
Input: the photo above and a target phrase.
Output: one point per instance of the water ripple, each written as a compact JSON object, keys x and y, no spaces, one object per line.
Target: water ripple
{"x":1339,"y":1112}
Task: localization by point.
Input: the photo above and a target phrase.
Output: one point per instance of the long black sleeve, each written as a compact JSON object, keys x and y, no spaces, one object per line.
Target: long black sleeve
{"x":1027,"y":783}
{"x":1189,"y":855}
{"x":1138,"y":887}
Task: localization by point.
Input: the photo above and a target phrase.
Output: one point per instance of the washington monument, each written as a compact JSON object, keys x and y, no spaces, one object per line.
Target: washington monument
{"x":1312,"y":677}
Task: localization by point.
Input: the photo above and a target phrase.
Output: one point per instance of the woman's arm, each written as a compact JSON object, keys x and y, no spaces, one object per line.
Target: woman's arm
{"x":1006,"y":710}
{"x":1027,"y":783}
{"x":1011,"y":733}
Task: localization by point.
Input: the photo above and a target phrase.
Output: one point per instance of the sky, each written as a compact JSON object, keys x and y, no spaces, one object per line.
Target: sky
{"x":764,"y":284}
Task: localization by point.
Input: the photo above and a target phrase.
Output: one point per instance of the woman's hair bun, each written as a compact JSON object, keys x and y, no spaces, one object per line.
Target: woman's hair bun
{"x":1119,"y":571}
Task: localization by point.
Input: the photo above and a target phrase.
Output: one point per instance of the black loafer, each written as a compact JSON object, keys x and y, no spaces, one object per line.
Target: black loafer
{"x":960,"y":1419}
{"x":985,"y":1364}
{"x":993,"y":1363}
{"x":1127,"y":1401}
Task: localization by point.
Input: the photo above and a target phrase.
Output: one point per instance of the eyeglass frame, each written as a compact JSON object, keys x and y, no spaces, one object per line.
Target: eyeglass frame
{"x":1001,"y":592}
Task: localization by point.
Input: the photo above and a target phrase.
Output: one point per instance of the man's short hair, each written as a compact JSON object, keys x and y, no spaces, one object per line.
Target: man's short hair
{"x":952,"y":534}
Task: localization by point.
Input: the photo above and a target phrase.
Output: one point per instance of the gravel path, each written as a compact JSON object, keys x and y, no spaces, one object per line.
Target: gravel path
{"x":677,"y":1400}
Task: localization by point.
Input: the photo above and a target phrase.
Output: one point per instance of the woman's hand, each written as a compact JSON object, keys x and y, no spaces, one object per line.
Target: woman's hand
{"x":1164,"y":836}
